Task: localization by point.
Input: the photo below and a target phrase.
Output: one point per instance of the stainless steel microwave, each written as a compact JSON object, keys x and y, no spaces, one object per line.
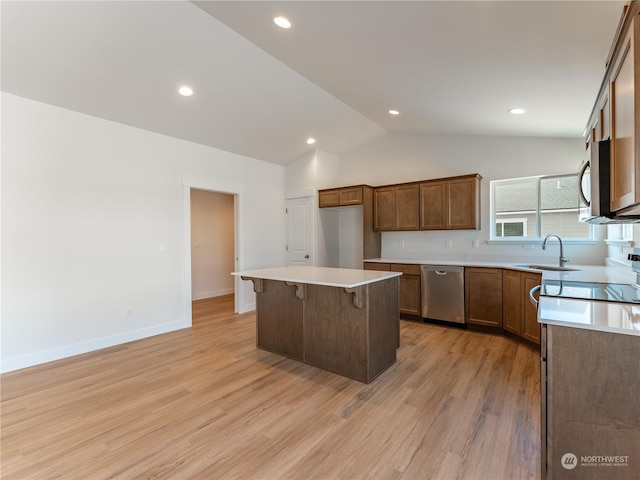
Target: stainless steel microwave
{"x":594,"y":184}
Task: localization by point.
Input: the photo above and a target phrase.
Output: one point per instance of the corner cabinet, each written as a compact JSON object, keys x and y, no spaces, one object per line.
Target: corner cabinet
{"x":518,"y":315}
{"x":483,"y":296}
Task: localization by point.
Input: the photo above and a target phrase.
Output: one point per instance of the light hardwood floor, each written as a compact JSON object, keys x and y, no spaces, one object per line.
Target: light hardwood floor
{"x":205,"y":403}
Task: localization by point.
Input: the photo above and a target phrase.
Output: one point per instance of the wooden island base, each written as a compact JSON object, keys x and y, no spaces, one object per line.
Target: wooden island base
{"x":349,"y":331}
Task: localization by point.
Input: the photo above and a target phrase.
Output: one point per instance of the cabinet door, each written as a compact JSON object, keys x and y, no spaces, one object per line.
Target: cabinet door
{"x":407,"y":207}
{"x":433,"y":205}
{"x":383,"y":207}
{"x":463,"y":203}
{"x":512,"y":301}
{"x":623,"y":108}
{"x":351,"y":196}
{"x":530,"y":325}
{"x":279,"y":326}
{"x":410,"y":294}
{"x":329,"y":198}
{"x":483,"y":296}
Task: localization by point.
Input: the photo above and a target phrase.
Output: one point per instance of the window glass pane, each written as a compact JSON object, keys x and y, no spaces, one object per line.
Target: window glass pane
{"x":513,"y":229}
{"x":560,"y":207}
{"x":516,"y":204}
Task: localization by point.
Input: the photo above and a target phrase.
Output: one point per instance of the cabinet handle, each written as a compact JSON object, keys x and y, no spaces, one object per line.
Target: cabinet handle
{"x":580,"y":191}
{"x":306,"y":256}
{"x":532,"y":292}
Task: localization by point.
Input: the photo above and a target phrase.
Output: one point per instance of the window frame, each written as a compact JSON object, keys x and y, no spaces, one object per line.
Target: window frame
{"x":536,"y":237}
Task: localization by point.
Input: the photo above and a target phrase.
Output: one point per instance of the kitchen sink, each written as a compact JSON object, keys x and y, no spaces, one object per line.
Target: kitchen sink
{"x":550,"y":268}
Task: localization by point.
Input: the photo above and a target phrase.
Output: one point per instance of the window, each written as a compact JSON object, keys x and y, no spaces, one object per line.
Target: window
{"x":511,"y":227}
{"x":533,"y":207}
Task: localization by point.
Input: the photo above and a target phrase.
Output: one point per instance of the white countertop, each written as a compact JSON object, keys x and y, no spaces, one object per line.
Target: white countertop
{"x":588,"y":314}
{"x":622,"y":318}
{"x":330,"y":277}
{"x":582,"y":273}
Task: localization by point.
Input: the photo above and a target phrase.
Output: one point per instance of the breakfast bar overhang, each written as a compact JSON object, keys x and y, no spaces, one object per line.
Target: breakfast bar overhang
{"x":342,"y":320}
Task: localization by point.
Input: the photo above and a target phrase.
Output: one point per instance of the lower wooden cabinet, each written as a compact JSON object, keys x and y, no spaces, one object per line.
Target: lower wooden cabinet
{"x":530,"y":325}
{"x":494,"y":297}
{"x":410,"y":297}
{"x":519,"y":316}
{"x":483,"y":296}
{"x":410,"y":301}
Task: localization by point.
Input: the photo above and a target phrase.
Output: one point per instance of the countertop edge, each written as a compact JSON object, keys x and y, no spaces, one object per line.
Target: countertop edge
{"x":265,"y":275}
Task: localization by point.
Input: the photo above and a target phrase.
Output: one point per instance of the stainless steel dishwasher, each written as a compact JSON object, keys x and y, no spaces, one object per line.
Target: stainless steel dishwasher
{"x":443,"y":293}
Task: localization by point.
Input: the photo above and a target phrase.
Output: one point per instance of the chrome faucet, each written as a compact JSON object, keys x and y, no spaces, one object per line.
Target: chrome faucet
{"x":562,"y":261}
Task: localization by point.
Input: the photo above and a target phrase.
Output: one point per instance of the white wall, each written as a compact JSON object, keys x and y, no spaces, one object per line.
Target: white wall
{"x":87,"y":207}
{"x":304,"y":177}
{"x":401,"y":157}
{"x":212,"y":244}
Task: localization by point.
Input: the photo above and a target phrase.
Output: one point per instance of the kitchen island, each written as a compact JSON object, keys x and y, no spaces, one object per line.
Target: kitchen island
{"x":342,"y":320}
{"x":590,"y":383}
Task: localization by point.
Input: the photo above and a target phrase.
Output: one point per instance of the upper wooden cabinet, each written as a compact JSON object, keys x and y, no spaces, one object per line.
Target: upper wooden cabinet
{"x":355,"y":195}
{"x":340,"y":197}
{"x":433,"y":205}
{"x":625,"y":123}
{"x":463,"y":202}
{"x":616,"y":114}
{"x":396,"y":207}
{"x":451,"y":203}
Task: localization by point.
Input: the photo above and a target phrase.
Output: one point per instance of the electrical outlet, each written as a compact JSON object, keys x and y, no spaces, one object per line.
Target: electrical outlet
{"x":128,"y":312}
{"x":449,"y":244}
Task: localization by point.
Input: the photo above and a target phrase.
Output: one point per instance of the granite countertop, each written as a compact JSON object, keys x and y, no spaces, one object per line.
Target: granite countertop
{"x":330,"y":277}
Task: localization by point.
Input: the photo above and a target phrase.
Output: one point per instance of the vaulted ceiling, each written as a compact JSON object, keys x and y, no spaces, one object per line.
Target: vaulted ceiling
{"x":447,"y":66}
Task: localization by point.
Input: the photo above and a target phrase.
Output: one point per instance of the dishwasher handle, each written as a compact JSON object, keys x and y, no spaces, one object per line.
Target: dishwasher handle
{"x":532,"y":292}
{"x":440,"y":272}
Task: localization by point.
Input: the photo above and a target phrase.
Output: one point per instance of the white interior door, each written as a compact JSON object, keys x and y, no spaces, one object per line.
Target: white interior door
{"x":300,"y":231}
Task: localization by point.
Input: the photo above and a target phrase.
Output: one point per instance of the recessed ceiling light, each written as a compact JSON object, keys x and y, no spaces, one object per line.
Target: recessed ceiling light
{"x":517,"y":111}
{"x":394,"y":112}
{"x":185,"y":91}
{"x":282,"y":22}
{"x":311,"y":141}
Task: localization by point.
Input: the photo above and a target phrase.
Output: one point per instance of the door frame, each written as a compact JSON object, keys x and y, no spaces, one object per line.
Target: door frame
{"x":188,"y":183}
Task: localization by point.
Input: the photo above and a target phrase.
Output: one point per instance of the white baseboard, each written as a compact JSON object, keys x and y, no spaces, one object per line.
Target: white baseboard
{"x":31,"y":359}
{"x":212,"y":293}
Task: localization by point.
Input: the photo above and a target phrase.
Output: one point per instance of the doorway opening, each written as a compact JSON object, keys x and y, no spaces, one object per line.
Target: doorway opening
{"x":242,"y":296}
{"x":212,"y":244}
